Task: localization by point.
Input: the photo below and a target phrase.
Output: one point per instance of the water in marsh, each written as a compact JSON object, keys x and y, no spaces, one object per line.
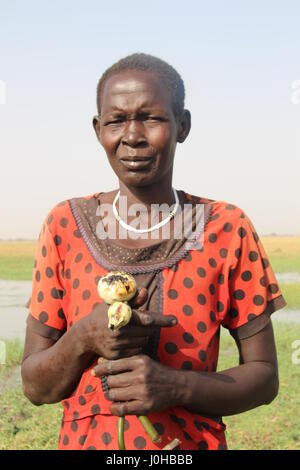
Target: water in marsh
{"x":15,"y":294}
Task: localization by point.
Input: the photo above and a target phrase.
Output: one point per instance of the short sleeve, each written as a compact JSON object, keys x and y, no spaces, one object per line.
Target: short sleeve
{"x":46,"y":313}
{"x":254,"y":293}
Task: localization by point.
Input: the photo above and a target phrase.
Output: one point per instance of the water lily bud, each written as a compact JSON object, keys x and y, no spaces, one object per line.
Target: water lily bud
{"x":119,"y":314}
{"x":117,"y":286}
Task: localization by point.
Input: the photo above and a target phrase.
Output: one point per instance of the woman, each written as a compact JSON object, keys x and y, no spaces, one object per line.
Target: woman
{"x":163,"y":363}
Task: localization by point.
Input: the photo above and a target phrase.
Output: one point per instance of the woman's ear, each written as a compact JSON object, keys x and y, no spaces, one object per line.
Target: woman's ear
{"x":184,"y":126}
{"x":96,"y":126}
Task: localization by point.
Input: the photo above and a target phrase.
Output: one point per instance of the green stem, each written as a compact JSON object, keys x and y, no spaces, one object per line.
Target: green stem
{"x":150,"y":429}
{"x":121,"y":433}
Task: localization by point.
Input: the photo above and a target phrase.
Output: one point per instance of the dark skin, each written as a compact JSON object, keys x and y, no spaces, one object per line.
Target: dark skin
{"x":137,"y":120}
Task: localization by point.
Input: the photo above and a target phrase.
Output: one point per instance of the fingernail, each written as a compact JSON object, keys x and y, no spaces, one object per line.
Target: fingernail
{"x":174,"y":321}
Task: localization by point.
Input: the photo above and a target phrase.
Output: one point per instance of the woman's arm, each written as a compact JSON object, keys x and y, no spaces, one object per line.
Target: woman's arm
{"x":253,"y":383}
{"x":51,"y":370}
{"x":150,"y":386}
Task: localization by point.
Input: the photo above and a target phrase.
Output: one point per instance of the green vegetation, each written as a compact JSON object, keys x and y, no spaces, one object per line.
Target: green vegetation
{"x":276,"y":426}
{"x":17,"y":260}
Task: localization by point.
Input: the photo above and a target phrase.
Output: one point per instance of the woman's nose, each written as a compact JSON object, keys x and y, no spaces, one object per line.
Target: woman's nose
{"x":133,"y":134}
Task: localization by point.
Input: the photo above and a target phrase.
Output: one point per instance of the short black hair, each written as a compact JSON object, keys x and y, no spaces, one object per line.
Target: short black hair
{"x":148,"y":63}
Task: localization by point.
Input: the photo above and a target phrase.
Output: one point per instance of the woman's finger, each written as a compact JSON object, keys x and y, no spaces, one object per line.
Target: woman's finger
{"x":106,"y":367}
{"x":149,"y":318}
{"x":132,"y":407}
{"x":140,"y":298}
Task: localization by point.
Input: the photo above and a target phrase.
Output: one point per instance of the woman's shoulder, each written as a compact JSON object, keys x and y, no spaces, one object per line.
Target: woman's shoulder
{"x":60,"y":213}
{"x":219,"y":208}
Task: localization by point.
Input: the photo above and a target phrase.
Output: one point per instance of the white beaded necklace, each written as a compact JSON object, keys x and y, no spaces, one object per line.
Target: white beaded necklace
{"x":160,"y":224}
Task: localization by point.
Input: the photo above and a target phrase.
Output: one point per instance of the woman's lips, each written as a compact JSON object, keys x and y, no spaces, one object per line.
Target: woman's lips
{"x":136,"y":164}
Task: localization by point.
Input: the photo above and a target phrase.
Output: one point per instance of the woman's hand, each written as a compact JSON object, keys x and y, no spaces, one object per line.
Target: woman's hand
{"x":144,"y":385}
{"x":129,"y":340}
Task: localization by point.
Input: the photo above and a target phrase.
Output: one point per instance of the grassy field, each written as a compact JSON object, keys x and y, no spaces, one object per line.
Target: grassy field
{"x":17,"y":259}
{"x":276,"y":426}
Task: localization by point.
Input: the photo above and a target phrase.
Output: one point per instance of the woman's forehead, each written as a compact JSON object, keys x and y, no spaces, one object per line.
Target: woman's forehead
{"x":143,"y":88}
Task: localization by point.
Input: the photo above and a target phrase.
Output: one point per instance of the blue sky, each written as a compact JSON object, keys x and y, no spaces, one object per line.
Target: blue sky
{"x":238,"y":61}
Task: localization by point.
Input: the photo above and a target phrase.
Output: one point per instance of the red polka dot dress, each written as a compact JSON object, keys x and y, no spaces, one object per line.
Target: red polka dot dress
{"x":222,"y":277}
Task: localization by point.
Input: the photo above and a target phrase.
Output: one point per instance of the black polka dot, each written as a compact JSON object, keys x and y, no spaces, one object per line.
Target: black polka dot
{"x":68,"y":273}
{"x":82,"y":400}
{"x":50,"y":218}
{"x":212,"y":316}
{"x":75,"y":415}
{"x":91,"y":448}
{"x":230,"y":207}
{"x":265,"y":263}
{"x":223,"y":252}
{"x":212,"y":238}
{"x":64,"y":222}
{"x":86,"y":294}
{"x":76,"y":311}
{"x":74,"y":426}
{"x":188,"y":257}
{"x":95,"y":410}
{"x":212,"y":289}
{"x":187,"y":282}
{"x":61,"y":314}
{"x":187,"y":310}
{"x":263,"y":281}
{"x":273,"y":288}
{"x":220,"y":306}
{"x":258,"y":300}
{"x":227,"y":227}
{"x":68,"y":247}
{"x":126,"y":425}
{"x":82,"y":439}
{"x":201,"y":272}
{"x":197,"y":425}
{"x":65,"y":440}
{"x":215,"y":217}
{"x":38,"y":276}
{"x":203,"y":445}
{"x":202,"y":355}
{"x":78,"y":257}
{"x":56,"y":293}
{"x":255,"y":236}
{"x":88,"y":268}
{"x":159,"y":428}
{"x":44,"y":251}
{"x":233,"y":312}
{"x":238,"y":253}
{"x":212,"y":262}
{"x":43,"y":317}
{"x":40,"y":296}
{"x":172,"y":294}
{"x":93,"y":423}
{"x":75,"y":283}
{"x":187,"y":365}
{"x":57,"y":240}
{"x":242,"y":232}
{"x":221,"y":279}
{"x":67,"y":405}
{"x":187,"y":436}
{"x":88,"y":389}
{"x":77,"y":234}
{"x":205,"y":425}
{"x":188,"y":338}
{"x":97,"y":279}
{"x":171,"y":348}
{"x":201,"y":327}
{"x":49,"y":272}
{"x":246,"y":276}
{"x":201,"y":299}
{"x":139,"y":442}
{"x":253,"y":256}
{"x":106,"y":438}
{"x":239,"y":294}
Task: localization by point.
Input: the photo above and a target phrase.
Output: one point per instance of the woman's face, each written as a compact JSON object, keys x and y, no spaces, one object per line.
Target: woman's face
{"x":138,"y":128}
